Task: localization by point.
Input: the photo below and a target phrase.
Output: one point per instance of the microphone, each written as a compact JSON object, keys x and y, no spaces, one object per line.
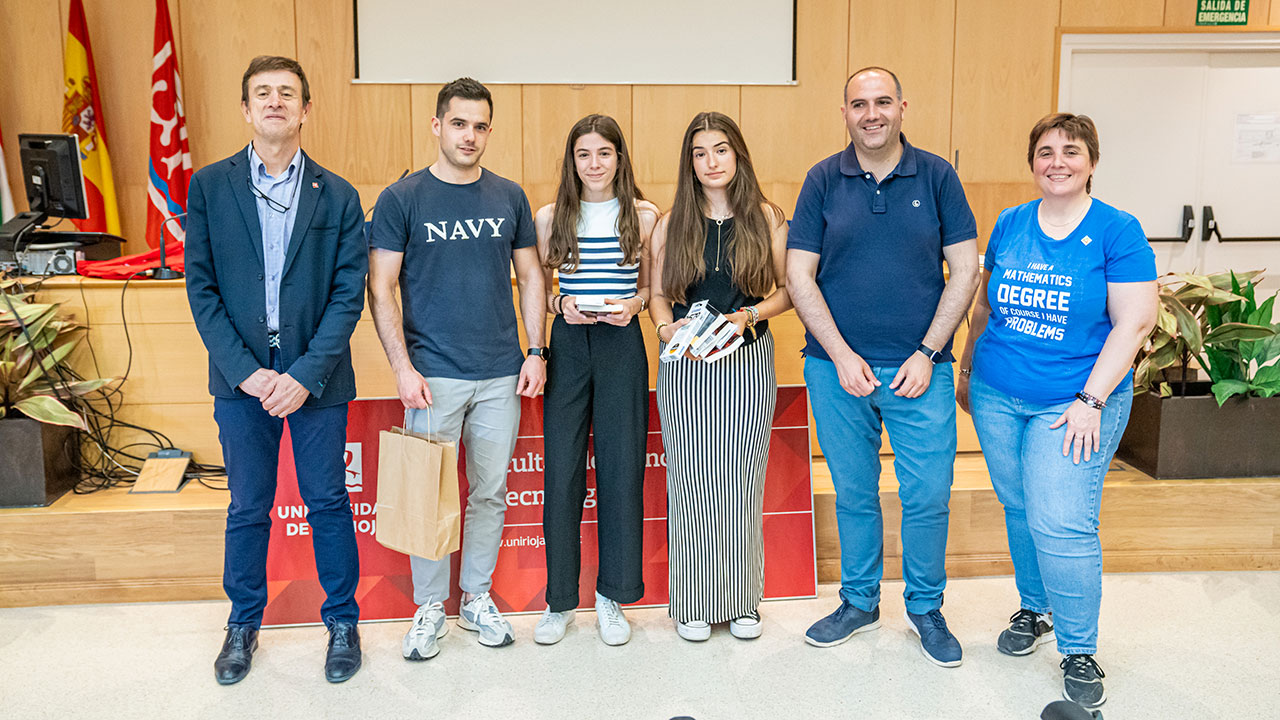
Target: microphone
{"x":163,"y":272}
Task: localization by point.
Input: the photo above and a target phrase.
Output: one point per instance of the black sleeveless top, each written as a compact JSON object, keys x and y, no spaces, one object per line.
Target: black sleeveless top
{"x":717,"y":286}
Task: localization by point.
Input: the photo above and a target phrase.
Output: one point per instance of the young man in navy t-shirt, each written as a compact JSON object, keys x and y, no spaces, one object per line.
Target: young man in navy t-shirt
{"x":872,"y":227}
{"x":448,"y":236}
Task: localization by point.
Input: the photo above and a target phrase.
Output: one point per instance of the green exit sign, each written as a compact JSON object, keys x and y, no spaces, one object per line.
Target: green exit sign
{"x":1222,"y":12}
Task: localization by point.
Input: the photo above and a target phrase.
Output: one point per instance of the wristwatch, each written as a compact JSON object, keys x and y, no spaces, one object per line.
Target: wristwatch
{"x":538,"y":352}
{"x":935,"y":356}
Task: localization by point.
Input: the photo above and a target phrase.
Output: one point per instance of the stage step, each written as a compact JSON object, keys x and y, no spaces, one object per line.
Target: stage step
{"x":1147,"y":525}
{"x":115,"y":547}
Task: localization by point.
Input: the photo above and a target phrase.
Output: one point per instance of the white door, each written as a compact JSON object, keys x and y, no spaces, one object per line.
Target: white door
{"x":1167,"y":122}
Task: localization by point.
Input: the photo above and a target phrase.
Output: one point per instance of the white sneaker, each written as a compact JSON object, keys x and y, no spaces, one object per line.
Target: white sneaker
{"x":694,"y":630}
{"x":429,"y":625}
{"x":747,"y":627}
{"x":482,"y":616}
{"x":552,"y":626}
{"x":614,"y":628}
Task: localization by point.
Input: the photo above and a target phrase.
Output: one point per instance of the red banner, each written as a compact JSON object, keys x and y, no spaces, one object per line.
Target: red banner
{"x":385,"y":591}
{"x":169,"y":172}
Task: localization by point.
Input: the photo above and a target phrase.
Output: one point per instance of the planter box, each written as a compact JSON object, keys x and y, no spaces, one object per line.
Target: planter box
{"x":37,"y":461}
{"x":1191,"y":437}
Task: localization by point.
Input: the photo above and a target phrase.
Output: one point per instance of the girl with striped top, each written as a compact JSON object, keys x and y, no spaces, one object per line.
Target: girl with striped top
{"x":595,"y":236}
{"x":725,"y":243}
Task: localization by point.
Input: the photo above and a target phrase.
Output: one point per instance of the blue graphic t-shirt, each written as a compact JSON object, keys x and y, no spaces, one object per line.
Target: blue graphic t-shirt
{"x":1049,"y":299}
{"x":455,"y":278}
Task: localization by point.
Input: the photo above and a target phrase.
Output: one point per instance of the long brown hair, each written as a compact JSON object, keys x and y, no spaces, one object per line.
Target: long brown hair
{"x":750,"y":248}
{"x":562,"y":246}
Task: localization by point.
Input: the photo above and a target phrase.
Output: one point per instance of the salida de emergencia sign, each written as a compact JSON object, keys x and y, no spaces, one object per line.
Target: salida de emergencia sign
{"x":1222,"y":12}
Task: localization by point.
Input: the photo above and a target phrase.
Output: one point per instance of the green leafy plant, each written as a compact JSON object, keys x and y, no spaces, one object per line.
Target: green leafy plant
{"x":35,"y":339}
{"x":1216,"y":322}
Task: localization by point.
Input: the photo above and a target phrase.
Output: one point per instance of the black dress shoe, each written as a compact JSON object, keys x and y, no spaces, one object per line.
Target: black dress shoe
{"x":343,"y":659}
{"x":237,"y":654}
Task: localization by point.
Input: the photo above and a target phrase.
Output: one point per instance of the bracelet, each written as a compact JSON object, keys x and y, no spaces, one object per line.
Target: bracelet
{"x":658,"y":330}
{"x":557,"y":305}
{"x":966,"y":371}
{"x":1090,"y":400}
{"x":643,"y":304}
{"x":753,"y":315}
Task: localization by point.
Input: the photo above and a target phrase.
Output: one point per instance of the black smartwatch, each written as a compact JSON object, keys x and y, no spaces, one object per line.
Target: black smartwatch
{"x":935,"y":356}
{"x":538,"y":352}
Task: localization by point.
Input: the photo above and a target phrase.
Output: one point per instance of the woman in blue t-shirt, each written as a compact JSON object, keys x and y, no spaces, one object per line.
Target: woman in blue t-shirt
{"x":1046,"y":373}
{"x":595,"y":236}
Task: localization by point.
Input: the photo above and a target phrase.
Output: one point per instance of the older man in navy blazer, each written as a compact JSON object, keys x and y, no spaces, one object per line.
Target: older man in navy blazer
{"x":276,"y":264}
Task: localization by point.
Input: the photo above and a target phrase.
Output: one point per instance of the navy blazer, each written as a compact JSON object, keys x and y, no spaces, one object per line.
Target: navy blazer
{"x":321,"y":289}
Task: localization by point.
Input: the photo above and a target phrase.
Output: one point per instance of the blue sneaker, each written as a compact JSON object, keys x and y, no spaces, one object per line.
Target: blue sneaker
{"x":841,"y":625}
{"x":936,"y":641}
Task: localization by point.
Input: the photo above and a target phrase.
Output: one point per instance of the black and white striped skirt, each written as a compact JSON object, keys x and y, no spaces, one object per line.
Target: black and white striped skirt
{"x":715,"y":432}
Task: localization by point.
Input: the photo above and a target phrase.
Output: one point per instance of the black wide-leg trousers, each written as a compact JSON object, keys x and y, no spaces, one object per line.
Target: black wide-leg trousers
{"x":597,"y":377}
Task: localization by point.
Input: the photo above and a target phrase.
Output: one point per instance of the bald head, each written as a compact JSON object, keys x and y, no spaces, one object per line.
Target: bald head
{"x":897,"y":86}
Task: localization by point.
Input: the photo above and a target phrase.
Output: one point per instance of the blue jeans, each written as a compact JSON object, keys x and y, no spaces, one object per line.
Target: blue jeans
{"x":250,"y":439}
{"x":1051,"y":504}
{"x":923,"y":433}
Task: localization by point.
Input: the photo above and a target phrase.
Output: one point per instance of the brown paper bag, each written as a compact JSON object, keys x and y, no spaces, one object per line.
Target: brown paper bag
{"x":418,"y":509}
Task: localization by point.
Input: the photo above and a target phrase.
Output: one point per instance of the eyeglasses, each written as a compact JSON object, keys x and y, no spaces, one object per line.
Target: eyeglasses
{"x":273,"y":204}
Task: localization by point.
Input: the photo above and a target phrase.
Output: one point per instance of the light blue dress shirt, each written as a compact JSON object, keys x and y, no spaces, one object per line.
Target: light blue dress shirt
{"x":276,"y":226}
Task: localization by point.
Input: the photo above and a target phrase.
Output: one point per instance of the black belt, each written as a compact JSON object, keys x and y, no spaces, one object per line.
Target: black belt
{"x":273,"y":340}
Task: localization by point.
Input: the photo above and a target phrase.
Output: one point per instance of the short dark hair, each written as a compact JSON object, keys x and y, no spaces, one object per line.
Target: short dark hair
{"x":465,"y":88}
{"x":269,"y":63}
{"x":1075,"y":127}
{"x":897,"y":84}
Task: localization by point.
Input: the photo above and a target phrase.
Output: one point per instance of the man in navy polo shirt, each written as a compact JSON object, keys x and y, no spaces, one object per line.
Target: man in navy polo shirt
{"x":872,"y":227}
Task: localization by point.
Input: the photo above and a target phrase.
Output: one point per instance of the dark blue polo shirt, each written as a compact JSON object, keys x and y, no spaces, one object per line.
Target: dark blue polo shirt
{"x":880,"y":248}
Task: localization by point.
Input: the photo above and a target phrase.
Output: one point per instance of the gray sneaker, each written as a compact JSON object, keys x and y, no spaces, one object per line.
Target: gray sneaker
{"x":1027,"y":630}
{"x":421,"y":642}
{"x":1082,"y":681}
{"x":482,"y":616}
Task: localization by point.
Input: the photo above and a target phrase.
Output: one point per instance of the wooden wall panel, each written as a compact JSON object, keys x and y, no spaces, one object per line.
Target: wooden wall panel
{"x":220,"y":40}
{"x":792,"y":128}
{"x":1003,"y":81}
{"x":549,"y":112}
{"x":661,"y":114}
{"x":362,"y":132}
{"x":31,"y":80}
{"x":923,"y":65}
{"x":1182,"y":13}
{"x":1275,"y":14}
{"x":988,"y":199}
{"x":1107,"y":13}
{"x":503,"y":155}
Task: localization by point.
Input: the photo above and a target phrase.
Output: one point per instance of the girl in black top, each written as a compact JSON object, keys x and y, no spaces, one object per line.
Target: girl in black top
{"x":725,"y":243}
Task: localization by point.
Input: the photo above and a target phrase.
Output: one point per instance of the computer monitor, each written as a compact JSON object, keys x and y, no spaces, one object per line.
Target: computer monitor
{"x":51,"y":173}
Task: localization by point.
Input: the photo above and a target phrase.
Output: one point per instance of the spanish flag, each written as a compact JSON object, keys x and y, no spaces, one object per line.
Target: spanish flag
{"x":82,"y":116}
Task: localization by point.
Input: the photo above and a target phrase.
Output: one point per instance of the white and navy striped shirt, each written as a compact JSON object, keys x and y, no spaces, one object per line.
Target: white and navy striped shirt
{"x":598,"y":274}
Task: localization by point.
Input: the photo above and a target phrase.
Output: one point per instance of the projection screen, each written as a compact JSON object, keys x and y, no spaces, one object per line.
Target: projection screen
{"x":644,"y":42}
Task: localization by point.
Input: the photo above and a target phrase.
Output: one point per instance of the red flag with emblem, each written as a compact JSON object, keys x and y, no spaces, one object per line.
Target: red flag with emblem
{"x":170,"y":167}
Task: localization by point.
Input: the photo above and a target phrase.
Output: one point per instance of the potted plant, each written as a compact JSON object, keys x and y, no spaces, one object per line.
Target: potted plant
{"x":1221,"y":427}
{"x":38,"y":438}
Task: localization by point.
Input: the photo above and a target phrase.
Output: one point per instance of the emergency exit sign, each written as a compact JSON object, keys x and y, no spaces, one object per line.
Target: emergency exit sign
{"x":1222,"y":12}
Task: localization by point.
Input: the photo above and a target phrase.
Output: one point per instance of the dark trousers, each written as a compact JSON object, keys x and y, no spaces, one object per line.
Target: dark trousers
{"x":250,"y":440}
{"x":598,"y":375}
